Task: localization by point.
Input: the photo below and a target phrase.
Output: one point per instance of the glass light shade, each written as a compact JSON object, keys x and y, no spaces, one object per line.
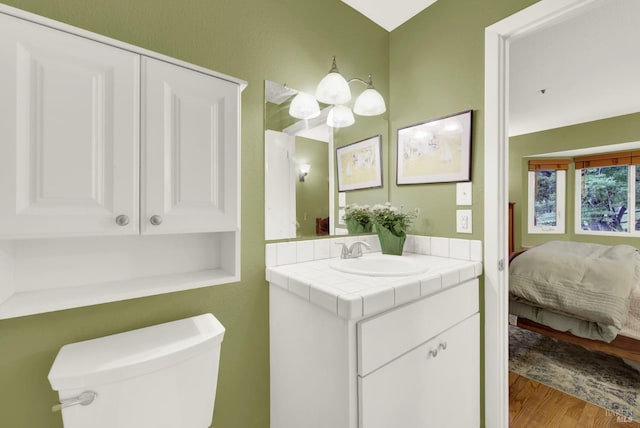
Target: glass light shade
{"x":369,"y":103}
{"x":333,"y":89}
{"x":340,"y":117}
{"x":304,"y":106}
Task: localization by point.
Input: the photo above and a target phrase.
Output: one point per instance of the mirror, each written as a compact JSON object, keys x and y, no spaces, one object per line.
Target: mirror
{"x":299,"y":189}
{"x":306,"y":205}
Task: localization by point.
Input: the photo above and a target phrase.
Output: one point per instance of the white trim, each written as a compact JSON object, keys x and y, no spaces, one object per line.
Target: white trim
{"x":561,"y":184}
{"x":496,"y":168}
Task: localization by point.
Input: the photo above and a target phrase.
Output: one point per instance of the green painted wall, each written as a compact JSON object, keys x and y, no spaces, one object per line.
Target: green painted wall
{"x":621,"y":129}
{"x":281,"y":40}
{"x":437,"y":68}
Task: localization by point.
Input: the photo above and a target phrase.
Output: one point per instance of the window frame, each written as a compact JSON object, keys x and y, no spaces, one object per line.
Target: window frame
{"x":561,"y":185}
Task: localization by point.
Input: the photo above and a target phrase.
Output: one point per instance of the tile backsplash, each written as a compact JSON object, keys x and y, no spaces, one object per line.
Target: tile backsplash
{"x":284,"y":253}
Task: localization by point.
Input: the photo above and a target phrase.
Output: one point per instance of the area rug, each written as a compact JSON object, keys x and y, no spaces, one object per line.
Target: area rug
{"x":594,"y":377}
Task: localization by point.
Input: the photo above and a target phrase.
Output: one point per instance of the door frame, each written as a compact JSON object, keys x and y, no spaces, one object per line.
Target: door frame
{"x":496,"y":167}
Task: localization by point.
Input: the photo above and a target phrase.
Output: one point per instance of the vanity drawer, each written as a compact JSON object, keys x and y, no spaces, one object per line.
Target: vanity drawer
{"x":387,"y":336}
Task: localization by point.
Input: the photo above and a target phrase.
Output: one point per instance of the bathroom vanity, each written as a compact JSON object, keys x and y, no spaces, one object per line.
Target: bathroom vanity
{"x":351,"y":350}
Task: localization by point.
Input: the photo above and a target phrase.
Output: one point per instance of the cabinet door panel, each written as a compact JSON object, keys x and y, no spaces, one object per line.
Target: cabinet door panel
{"x":190,"y":140}
{"x":420,"y":390}
{"x":69,"y":153}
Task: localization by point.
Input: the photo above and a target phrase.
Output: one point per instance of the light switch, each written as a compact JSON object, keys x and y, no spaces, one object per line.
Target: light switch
{"x":342,"y":199}
{"x":341,"y":216}
{"x":464,"y":221}
{"x":463,"y":193}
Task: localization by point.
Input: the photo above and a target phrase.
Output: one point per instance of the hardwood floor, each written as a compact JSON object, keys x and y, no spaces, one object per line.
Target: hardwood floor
{"x":534,"y":405}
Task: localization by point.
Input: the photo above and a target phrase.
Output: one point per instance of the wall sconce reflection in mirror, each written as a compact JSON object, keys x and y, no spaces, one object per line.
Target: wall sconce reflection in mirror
{"x":305,"y":168}
{"x":334,"y":90}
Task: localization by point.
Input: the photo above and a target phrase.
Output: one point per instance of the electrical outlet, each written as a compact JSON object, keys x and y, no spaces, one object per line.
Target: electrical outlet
{"x":464,"y":221}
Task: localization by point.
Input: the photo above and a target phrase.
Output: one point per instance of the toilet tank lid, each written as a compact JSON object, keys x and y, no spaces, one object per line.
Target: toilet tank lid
{"x":133,"y":353}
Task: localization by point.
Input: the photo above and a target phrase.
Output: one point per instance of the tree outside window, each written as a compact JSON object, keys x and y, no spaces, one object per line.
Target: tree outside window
{"x":545,"y":198}
{"x":546,"y":202}
{"x":605,"y":199}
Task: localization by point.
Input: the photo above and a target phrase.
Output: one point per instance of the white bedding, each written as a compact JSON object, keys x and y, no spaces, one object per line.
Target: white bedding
{"x":631,"y":326}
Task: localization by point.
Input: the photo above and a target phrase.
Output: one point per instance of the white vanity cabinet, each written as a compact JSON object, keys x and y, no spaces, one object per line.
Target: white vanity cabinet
{"x":119,"y":170}
{"x":433,"y":385}
{"x":416,"y":365}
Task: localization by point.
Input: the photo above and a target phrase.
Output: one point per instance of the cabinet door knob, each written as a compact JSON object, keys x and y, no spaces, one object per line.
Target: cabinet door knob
{"x":122,"y":220}
{"x":156,"y":220}
{"x":433,"y":353}
{"x":442,"y":346}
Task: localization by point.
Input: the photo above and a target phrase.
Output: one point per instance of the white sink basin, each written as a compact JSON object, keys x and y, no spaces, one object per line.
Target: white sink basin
{"x":379,"y":265}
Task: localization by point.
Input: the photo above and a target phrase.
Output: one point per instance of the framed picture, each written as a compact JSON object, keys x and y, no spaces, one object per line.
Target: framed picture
{"x":359,"y":165}
{"x":436,"y":151}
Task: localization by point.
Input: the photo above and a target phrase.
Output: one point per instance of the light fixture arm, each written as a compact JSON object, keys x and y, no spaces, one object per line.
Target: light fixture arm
{"x":368,"y":84}
{"x":334,"y":66}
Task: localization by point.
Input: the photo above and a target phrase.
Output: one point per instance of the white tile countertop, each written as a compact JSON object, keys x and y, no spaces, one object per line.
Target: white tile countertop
{"x":303,"y":268}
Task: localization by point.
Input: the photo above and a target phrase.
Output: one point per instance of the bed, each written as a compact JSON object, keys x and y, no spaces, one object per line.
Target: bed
{"x":582,"y":293}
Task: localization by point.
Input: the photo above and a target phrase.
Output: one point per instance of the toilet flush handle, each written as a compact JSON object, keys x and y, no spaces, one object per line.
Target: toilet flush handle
{"x":84,"y":399}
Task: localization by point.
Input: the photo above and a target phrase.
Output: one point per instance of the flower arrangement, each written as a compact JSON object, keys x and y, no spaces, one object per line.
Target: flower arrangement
{"x":392,"y":218}
{"x":358,"y":218}
{"x":391,"y":227}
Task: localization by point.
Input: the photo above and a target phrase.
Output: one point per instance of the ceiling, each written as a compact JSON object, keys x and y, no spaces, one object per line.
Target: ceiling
{"x":389,"y":14}
{"x":587,"y":65}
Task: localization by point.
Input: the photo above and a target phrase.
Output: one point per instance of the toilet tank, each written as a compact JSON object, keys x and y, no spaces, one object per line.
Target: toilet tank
{"x":163,"y":376}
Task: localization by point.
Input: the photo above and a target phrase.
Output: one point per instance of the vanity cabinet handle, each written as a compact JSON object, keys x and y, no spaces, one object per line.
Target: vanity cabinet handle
{"x":434,"y":352}
{"x":122,"y":220}
{"x":156,"y":220}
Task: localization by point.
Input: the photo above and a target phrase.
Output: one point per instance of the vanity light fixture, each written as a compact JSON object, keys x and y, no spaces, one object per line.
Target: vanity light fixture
{"x":370,"y":102}
{"x":305,"y":168}
{"x":334,"y":89}
{"x":340,"y":116}
{"x":304,"y":106}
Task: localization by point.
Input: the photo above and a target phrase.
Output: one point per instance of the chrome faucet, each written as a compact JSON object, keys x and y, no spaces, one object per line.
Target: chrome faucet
{"x":353,"y":251}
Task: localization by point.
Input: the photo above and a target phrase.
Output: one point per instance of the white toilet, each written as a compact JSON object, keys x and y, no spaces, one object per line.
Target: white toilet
{"x":163,"y":376}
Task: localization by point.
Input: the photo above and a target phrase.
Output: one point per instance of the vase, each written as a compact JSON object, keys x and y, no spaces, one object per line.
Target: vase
{"x":389,"y":242}
{"x":354,"y":227}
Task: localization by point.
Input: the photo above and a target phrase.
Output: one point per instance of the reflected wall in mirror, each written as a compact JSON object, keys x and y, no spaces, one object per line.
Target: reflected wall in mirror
{"x":311,"y":208}
{"x":297,"y":203}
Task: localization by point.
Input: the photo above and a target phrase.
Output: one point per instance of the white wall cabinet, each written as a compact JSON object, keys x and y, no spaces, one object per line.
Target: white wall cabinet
{"x":415,"y":366}
{"x":190,"y":169}
{"x":71,"y":163}
{"x":103,"y":142}
{"x":69,"y":132}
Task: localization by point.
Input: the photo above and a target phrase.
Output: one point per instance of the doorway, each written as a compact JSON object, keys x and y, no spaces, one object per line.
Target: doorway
{"x":496,"y":158}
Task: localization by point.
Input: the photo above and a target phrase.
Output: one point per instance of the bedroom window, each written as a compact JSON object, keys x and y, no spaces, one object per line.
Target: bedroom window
{"x":607,"y":193}
{"x":547,"y":195}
